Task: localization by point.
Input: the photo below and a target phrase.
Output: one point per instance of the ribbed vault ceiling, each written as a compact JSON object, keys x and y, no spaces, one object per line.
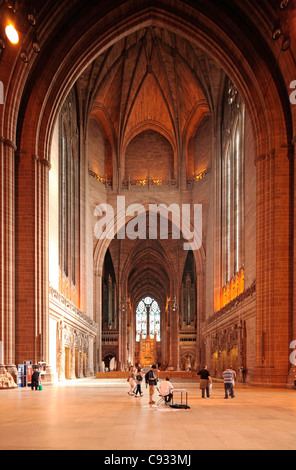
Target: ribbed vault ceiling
{"x":152,"y":79}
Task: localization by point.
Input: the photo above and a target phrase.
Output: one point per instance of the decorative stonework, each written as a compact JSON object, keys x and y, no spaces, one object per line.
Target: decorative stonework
{"x":231,"y":305}
{"x":103,"y":180}
{"x":80,"y":316}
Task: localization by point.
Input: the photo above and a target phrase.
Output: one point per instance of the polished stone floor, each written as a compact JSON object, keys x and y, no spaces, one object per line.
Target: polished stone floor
{"x":100,"y":415}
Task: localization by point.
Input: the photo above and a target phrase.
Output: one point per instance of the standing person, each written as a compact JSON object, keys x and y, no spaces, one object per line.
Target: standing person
{"x":229,"y":376}
{"x":139,"y":379}
{"x":205,"y":381}
{"x":35,"y":380}
{"x":152,"y":381}
{"x":131,"y":379}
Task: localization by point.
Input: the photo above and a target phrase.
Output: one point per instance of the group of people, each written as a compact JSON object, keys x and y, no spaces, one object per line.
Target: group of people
{"x":206,"y":383}
{"x":136,"y":378}
{"x":166,"y":388}
{"x":135,"y":381}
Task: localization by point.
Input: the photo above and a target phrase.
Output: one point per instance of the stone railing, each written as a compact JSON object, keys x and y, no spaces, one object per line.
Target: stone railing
{"x":78,"y":314}
{"x":232,"y":305}
{"x":148,"y":183}
{"x":103,"y":180}
{"x":197,"y":178}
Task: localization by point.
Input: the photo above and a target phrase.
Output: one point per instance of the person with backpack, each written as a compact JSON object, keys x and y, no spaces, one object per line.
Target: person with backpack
{"x":152,"y":382}
{"x":139,"y":379}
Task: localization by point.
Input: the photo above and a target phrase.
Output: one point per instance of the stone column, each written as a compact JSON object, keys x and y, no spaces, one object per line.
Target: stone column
{"x":122,"y":338}
{"x":90,"y":357}
{"x":98,"y":317}
{"x":175,"y":350}
{"x":273,"y":269}
{"x":32,"y":276}
{"x":7,"y":254}
{"x":292,"y":373}
{"x":43,"y":253}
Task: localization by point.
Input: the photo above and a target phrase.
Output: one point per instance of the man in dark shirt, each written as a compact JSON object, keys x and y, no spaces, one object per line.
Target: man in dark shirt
{"x":205,"y":381}
{"x":35,"y":380}
{"x":152,"y":381}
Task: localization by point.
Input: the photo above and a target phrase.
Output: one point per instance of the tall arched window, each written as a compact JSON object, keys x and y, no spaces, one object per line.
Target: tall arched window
{"x":148,"y":319}
{"x":232,"y":185}
{"x":69,"y":191}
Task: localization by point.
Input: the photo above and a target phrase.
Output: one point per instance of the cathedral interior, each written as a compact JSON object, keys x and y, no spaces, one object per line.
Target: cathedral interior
{"x":173,"y":104}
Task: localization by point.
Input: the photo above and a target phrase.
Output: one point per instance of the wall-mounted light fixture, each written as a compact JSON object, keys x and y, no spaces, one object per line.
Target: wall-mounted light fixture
{"x":12,"y":34}
{"x":174,"y":304}
{"x":16,"y":16}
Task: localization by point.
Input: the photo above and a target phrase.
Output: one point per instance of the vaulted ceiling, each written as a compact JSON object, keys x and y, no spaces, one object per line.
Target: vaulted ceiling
{"x":151,"y":79}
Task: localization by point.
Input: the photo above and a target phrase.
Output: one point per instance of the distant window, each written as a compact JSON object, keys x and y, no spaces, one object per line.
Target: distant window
{"x":148,"y":319}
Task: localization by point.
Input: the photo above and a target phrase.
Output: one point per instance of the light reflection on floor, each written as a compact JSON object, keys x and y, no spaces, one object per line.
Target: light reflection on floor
{"x":99,"y":414}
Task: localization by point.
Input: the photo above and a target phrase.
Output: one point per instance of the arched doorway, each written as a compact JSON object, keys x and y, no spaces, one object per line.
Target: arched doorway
{"x":110,"y":363}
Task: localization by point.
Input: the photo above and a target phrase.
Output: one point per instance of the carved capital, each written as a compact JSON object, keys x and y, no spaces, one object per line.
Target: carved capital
{"x":8,"y":143}
{"x":260,"y":159}
{"x":45,"y":163}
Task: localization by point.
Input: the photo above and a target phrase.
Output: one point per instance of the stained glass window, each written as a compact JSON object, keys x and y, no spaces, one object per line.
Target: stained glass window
{"x":148,"y":319}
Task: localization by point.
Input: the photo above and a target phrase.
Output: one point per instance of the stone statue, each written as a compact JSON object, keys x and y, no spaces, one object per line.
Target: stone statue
{"x":6,"y":380}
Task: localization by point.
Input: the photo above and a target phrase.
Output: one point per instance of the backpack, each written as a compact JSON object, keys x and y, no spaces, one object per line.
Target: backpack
{"x":151,"y":379}
{"x":139,"y":378}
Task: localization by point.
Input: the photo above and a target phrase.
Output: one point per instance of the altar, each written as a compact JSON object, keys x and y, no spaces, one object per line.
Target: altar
{"x":148,"y":351}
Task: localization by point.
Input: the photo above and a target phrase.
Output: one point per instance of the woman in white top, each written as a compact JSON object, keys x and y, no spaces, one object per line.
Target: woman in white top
{"x":139,"y":379}
{"x":132,"y":377}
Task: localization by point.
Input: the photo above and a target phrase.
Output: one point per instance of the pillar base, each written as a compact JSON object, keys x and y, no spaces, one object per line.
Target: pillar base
{"x":269,"y":377}
{"x":48,"y":377}
{"x":292,"y":378}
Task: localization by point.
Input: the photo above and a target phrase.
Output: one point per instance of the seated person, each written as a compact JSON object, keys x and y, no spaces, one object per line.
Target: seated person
{"x":166,"y":389}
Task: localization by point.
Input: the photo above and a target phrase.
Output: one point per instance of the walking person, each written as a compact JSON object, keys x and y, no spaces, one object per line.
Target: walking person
{"x":139,"y":379}
{"x":205,"y":381}
{"x":229,"y":376}
{"x":131,"y":379}
{"x":152,"y":382}
{"x":35,"y":380}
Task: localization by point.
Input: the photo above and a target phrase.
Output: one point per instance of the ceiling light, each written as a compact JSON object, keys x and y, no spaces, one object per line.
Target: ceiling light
{"x":284,"y":4}
{"x":286,"y":43}
{"x":24,"y":57}
{"x":32,"y":19}
{"x":36,"y":46}
{"x":277,"y":32}
{"x":12,"y":34}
